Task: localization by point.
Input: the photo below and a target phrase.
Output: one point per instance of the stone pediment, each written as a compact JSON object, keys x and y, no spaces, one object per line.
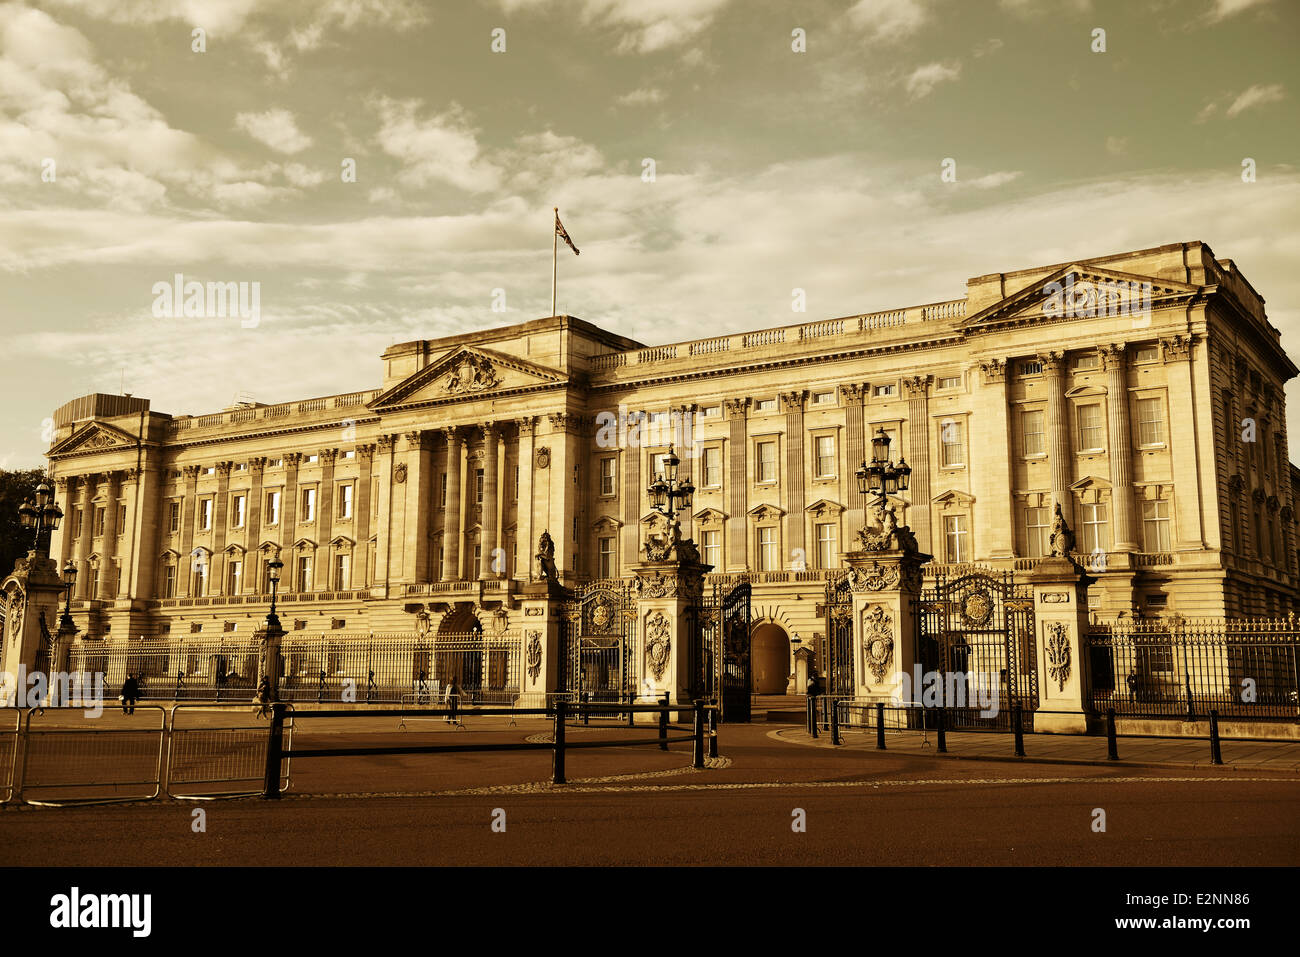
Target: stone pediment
{"x":466,"y":373}
{"x":1080,"y":292}
{"x":765,"y":512}
{"x":824,"y":506}
{"x":93,"y":437}
{"x":954,"y":497}
{"x":607,"y":521}
{"x":709,"y":516}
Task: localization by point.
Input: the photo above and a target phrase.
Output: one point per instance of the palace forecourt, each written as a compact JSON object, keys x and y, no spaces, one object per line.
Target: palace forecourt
{"x":1142,"y":392}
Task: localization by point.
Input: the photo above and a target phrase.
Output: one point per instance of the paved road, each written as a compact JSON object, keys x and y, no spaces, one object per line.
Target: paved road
{"x":640,"y":806}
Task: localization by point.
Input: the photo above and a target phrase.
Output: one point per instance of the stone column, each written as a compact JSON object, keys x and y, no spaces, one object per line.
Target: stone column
{"x":1061,"y":621}
{"x":361,"y":502}
{"x":855,"y":453}
{"x":737,"y":485}
{"x":31,"y":594}
{"x":670,"y":595}
{"x":325,"y":520}
{"x":129,"y":491}
{"x":917,"y":390}
{"x":451,"y":519}
{"x":384,"y":531}
{"x":113,"y":490}
{"x":886,"y":659}
{"x":189,"y":506}
{"x":526,"y":541}
{"x":253,"y":523}
{"x":630,"y":465}
{"x":1176,"y":353}
{"x":541,"y":606}
{"x":220,"y":519}
{"x":792,"y":404}
{"x":61,"y":540}
{"x":490,"y":504}
{"x":1059,"y":431}
{"x":990,"y":426}
{"x":289,"y":514}
{"x":1121,"y":449}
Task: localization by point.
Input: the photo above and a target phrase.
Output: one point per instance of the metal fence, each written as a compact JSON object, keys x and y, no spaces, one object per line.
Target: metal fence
{"x":72,"y":758}
{"x":9,"y":720}
{"x":334,"y":667}
{"x":218,"y":753}
{"x":1186,"y":668}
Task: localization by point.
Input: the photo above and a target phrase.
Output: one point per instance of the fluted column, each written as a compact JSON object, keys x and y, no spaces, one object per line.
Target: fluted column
{"x":792,"y":403}
{"x":1058,"y":434}
{"x":451,"y":519}
{"x":489,"y":538}
{"x":853,"y":455}
{"x":325,"y":520}
{"x":220,"y":519}
{"x":112,"y":491}
{"x":1121,"y":448}
{"x":189,"y":505}
{"x":525,"y":542}
{"x":917,"y":390}
{"x":361,"y":516}
{"x":1176,"y":354}
{"x":737,"y":485}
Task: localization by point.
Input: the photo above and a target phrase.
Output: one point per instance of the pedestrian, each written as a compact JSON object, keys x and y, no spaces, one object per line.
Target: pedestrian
{"x":262,"y":700}
{"x":453,"y":698}
{"x":130,"y":694}
{"x":1132,"y":682}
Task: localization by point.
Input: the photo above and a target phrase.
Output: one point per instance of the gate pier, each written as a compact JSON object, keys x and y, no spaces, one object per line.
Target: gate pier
{"x":1061,"y":609}
{"x":669,"y":598}
{"x":885,"y":586}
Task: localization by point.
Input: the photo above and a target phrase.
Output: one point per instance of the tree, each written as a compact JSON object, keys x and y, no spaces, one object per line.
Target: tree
{"x":15,"y":540}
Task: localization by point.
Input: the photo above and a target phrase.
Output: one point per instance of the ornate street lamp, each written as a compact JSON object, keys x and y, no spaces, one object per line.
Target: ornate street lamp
{"x":43,"y":515}
{"x":273,"y":569}
{"x":69,"y":580}
{"x":882,"y":477}
{"x":668,"y":495}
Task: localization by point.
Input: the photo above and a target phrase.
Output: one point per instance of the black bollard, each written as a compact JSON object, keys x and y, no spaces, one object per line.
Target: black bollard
{"x":812,"y":714}
{"x":698,"y":758}
{"x":942,"y":735}
{"x":557,"y":766}
{"x":880,"y":726}
{"x":833,"y":712}
{"x":713,"y":730}
{"x":1112,"y":742}
{"x":1019,"y":730}
{"x":663,"y":725}
{"x":274,"y":752}
{"x":1216,"y":755}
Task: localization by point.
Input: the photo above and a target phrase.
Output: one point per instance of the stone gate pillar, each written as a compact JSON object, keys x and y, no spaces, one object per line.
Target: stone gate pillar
{"x":31,"y":598}
{"x":541,"y":606}
{"x":1061,"y":621}
{"x":885,"y":587}
{"x":669,"y":603}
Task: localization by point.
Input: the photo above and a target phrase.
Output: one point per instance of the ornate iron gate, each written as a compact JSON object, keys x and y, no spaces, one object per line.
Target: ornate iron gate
{"x":977,"y":633}
{"x":732,"y":633}
{"x":836,"y":658}
{"x":599,"y":641}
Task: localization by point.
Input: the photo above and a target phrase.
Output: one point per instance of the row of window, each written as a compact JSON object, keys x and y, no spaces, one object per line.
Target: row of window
{"x":344,"y":494}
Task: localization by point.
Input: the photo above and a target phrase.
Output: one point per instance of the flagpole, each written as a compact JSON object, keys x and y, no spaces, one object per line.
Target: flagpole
{"x":555,"y":254}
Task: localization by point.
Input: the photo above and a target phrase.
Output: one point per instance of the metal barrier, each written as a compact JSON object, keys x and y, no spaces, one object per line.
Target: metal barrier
{"x":67,"y":754}
{"x":8,"y":753}
{"x":205,"y":760}
{"x":277,"y":751}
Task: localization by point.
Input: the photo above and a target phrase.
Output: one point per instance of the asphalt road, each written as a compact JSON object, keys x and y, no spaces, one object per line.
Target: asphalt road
{"x":640,"y":806}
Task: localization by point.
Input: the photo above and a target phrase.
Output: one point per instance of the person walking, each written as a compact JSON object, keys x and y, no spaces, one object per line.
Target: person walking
{"x":262,"y":701}
{"x":453,"y":698}
{"x":130,"y":694}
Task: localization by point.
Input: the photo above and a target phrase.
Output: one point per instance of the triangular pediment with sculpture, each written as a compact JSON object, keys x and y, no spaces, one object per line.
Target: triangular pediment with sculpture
{"x":1080,"y":291}
{"x":466,"y":373}
{"x":93,"y":437}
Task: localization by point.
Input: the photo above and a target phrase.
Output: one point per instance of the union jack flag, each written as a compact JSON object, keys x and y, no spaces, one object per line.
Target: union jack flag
{"x":560,"y":231}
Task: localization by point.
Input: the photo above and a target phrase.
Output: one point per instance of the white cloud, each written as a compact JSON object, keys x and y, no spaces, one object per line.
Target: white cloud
{"x":1255,"y":96}
{"x":644,"y":96}
{"x":994,"y":180}
{"x":274,"y":128}
{"x":1117,"y":145}
{"x":1223,"y":9}
{"x":442,"y":148}
{"x":888,"y":20}
{"x":303,"y":176}
{"x":925,"y":78}
{"x":645,"y":26}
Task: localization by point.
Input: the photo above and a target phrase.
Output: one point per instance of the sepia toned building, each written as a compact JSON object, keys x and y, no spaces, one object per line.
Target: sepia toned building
{"x":1143,"y":392}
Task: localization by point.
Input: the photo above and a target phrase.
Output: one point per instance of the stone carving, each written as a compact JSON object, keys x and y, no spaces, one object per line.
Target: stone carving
{"x":542,"y":458}
{"x":658,"y":644}
{"x":877,"y":640}
{"x":657,"y":585}
{"x":1056,"y":597}
{"x":546,"y":557}
{"x":668,"y":545}
{"x":888,"y":535}
{"x":399,"y":473}
{"x":472,"y":374}
{"x":534,"y":655}
{"x":533,"y":611}
{"x":1058,"y":653}
{"x":602,"y":614}
{"x":101,"y":440}
{"x":876,"y":578}
{"x":1062,"y":540}
{"x":994,"y":370}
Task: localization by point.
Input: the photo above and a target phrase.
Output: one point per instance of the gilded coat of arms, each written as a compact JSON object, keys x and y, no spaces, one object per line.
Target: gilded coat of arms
{"x":1058,"y":653}
{"x":657,"y":644}
{"x":534,"y":655}
{"x":977,"y":609}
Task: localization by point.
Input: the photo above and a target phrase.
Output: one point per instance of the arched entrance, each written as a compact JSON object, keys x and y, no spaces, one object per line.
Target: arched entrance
{"x":770,"y":657}
{"x":458,"y":651}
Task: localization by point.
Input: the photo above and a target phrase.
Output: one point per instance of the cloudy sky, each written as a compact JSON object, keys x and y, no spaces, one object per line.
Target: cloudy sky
{"x":127,"y":156}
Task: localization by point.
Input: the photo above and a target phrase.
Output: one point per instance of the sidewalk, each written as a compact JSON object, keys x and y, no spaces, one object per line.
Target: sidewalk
{"x":1065,"y":749}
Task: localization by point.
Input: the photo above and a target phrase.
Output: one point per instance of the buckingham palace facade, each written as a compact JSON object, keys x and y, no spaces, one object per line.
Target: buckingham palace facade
{"x":1142,"y":392}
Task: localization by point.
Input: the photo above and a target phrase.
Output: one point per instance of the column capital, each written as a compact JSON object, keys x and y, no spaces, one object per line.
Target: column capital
{"x":223,"y":469}
{"x":793,"y":401}
{"x":292,"y":459}
{"x":736,"y":406}
{"x":1053,"y":361}
{"x":366,"y":452}
{"x":414,"y":440}
{"x":1176,"y":349}
{"x":1112,"y":356}
{"x":257,"y":463}
{"x":526,"y":424}
{"x":61,"y":483}
{"x":384,"y":443}
{"x":917,"y":386}
{"x":454,"y":437}
{"x":192,"y":471}
{"x":993,"y":370}
{"x":328,"y":456}
{"x":490,"y":430}
{"x":853,"y":391}
{"x":130,"y":475}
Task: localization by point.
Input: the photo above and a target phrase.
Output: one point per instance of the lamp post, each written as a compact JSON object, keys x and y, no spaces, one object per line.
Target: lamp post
{"x":43,"y":516}
{"x":668,"y":495}
{"x":273,"y":569}
{"x":69,"y":580}
{"x":882,"y":478}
